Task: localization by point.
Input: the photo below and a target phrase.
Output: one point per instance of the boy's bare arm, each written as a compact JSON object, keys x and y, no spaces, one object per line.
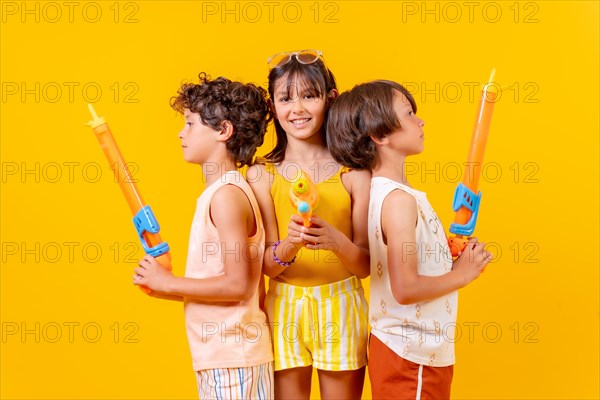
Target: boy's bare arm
{"x":165,"y":297}
{"x":230,"y":209}
{"x":399,"y":218}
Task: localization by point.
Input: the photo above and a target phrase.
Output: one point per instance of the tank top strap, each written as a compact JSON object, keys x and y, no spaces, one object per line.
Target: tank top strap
{"x":344,"y":169}
{"x":269,"y":166}
{"x":337,"y":177}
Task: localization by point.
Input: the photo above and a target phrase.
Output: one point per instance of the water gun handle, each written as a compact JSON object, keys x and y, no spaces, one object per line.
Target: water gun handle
{"x":305,"y":211}
{"x":147,"y":227}
{"x":464,"y":199}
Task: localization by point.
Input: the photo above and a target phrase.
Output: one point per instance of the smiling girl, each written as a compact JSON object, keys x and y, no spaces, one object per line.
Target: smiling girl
{"x":315,"y":303}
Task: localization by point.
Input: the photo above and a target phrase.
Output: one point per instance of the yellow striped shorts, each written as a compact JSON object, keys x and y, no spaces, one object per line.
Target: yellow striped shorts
{"x":324,"y":326}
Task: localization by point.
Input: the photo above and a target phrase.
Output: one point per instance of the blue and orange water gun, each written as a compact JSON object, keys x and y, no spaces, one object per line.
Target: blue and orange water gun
{"x":304,"y":196}
{"x":466,"y":197}
{"x":145,"y":222}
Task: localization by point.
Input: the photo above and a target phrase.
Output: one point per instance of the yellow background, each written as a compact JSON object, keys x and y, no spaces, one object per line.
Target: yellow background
{"x":73,"y":327}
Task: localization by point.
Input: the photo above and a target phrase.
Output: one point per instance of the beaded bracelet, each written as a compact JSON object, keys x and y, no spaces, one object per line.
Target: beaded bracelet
{"x":277,"y":260}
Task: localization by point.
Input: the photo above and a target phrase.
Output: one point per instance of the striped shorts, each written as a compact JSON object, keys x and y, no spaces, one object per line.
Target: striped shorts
{"x":324,"y":326}
{"x":254,"y":382}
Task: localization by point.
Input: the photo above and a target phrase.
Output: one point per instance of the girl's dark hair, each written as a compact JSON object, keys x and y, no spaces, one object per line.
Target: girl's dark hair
{"x":245,"y":106}
{"x":316,"y":76}
{"x":364,"y":111}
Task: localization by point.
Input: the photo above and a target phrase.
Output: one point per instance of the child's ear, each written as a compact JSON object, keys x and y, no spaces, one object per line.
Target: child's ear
{"x":332,"y":95}
{"x":272,"y":108}
{"x":379,"y":141}
{"x":226,"y":131}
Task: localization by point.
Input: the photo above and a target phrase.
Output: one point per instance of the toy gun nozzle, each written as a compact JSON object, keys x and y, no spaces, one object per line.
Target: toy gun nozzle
{"x":96,"y":121}
{"x":492,"y":76}
{"x":92,"y":111}
{"x":491,"y":86}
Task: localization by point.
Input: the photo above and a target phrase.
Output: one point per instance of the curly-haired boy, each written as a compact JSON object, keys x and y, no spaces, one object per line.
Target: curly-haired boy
{"x":229,"y":338}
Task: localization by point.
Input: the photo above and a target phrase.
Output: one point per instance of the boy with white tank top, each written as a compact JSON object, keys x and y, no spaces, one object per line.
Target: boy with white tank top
{"x":414,"y":280}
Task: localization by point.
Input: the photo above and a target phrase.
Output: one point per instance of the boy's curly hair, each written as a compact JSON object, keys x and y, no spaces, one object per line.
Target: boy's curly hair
{"x":243,"y":105}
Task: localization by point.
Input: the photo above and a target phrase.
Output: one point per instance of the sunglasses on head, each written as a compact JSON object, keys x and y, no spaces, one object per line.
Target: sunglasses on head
{"x":302,"y":56}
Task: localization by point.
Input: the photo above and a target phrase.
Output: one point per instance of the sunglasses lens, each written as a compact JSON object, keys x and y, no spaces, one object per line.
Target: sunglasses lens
{"x":307,"y":56}
{"x":303,"y":57}
{"x":279,"y":59}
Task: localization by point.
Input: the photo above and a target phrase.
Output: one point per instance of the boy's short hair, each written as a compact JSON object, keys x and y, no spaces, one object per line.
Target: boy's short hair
{"x":364,"y":111}
{"x":245,"y":106}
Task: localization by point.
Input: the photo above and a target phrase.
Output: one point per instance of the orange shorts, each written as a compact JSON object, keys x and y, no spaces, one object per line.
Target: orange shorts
{"x":393,"y":377}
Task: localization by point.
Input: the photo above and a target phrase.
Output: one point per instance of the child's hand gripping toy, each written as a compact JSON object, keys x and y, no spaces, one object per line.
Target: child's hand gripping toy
{"x":304,"y":196}
{"x":466,"y":198}
{"x":143,"y":218}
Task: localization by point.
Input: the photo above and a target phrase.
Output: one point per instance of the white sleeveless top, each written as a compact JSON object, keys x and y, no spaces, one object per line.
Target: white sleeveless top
{"x":422,"y":332}
{"x":224,"y":334}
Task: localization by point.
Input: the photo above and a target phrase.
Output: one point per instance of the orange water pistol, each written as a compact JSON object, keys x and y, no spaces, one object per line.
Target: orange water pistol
{"x":143,"y":218}
{"x":304,"y":196}
{"x":466,"y":197}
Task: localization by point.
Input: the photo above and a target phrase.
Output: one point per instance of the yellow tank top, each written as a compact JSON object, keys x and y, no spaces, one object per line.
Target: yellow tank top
{"x":314,"y":267}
